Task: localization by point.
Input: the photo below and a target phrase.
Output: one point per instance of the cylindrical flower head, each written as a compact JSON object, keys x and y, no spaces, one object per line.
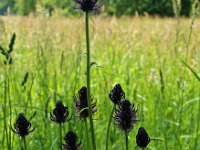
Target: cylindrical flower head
{"x":117,"y":94}
{"x":72,"y":142}
{"x":125,"y":116}
{"x":142,"y":138}
{"x":81,"y":103}
{"x":22,"y":126}
{"x":60,"y":113}
{"x":88,"y":5}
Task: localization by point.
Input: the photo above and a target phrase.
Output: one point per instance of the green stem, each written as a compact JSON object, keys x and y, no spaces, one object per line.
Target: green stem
{"x":10,"y":108}
{"x":177,"y":32}
{"x":24,"y":142}
{"x":88,"y":79}
{"x":189,"y":38}
{"x":7,"y":131}
{"x":5,"y":125}
{"x":108,"y":129}
{"x":126,"y":138}
{"x":180,"y":117}
{"x":198,"y":119}
{"x":60,"y":130}
{"x":86,"y":130}
{"x":156,"y":139}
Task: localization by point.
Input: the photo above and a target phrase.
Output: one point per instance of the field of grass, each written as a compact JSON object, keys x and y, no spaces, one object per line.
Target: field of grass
{"x":143,"y":54}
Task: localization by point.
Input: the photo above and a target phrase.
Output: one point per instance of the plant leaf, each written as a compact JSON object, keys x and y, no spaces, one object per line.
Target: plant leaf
{"x":194,"y":73}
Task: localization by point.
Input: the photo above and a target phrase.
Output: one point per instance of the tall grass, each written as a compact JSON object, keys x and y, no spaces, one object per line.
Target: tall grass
{"x":131,"y":51}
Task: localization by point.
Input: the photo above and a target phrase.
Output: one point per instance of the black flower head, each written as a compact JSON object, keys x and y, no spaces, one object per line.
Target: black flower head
{"x":81,"y":103}
{"x":22,"y":126}
{"x":142,"y":138}
{"x":60,"y":113}
{"x":117,"y":94}
{"x":72,"y":142}
{"x":88,"y":5}
{"x":125,"y":116}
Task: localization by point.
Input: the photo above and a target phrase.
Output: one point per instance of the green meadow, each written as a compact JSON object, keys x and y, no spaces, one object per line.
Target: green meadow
{"x":146,"y":55}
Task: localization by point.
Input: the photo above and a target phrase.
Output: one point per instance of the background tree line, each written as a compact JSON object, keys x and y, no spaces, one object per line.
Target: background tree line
{"x":111,"y":7}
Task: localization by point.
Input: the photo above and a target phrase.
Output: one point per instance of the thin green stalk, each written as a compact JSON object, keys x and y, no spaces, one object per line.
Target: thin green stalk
{"x":166,"y":141}
{"x":86,"y":130}
{"x":198,"y":119}
{"x":156,"y":139}
{"x":60,"y":130}
{"x":8,"y":136}
{"x":180,"y":117}
{"x":177,"y":10}
{"x":5,"y":125}
{"x":189,"y":39}
{"x":88,"y":78}
{"x":10,"y":108}
{"x":177,"y":33}
{"x":126,"y":138}
{"x":108,"y":129}
{"x":194,"y":15}
{"x":24,"y":142}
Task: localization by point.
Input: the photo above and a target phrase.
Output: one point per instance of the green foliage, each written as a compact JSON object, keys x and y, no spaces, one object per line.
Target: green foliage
{"x":194,"y":73}
{"x":186,"y":7}
{"x":50,"y":5}
{"x":112,"y":7}
{"x":118,"y":7}
{"x":161,"y":7}
{"x":131,"y":51}
{"x":24,"y":7}
{"x":5,"y":4}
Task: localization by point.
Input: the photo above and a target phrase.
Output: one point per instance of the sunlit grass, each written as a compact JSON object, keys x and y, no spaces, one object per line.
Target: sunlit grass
{"x":129,"y":51}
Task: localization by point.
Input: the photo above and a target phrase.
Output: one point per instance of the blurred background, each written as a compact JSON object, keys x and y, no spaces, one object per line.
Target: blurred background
{"x":110,"y":7}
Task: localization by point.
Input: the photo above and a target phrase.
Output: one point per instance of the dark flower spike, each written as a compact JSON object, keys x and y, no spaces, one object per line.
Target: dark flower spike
{"x":22,"y":126}
{"x":60,"y":113}
{"x":72,"y":142}
{"x":142,"y":138}
{"x":125,"y":116}
{"x":81,"y":103}
{"x":117,"y":94}
{"x":88,"y":5}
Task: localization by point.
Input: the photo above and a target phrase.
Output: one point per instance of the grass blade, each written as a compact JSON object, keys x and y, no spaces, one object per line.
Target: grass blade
{"x":194,"y":73}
